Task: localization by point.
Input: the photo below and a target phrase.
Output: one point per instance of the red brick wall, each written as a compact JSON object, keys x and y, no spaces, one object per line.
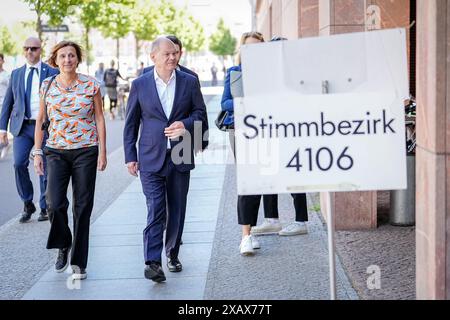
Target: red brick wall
{"x":263,"y":18}
{"x":277,"y":17}
{"x":308,"y":18}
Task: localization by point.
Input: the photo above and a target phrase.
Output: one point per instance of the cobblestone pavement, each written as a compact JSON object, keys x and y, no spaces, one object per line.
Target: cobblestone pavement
{"x":284,"y":268}
{"x":390,"y":248}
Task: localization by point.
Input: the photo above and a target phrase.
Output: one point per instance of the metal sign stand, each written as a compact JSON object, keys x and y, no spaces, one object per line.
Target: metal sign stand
{"x":330,"y":227}
{"x":331,"y":256}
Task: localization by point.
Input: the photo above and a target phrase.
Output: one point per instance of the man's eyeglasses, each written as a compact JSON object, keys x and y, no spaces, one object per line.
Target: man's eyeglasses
{"x":33,"y":49}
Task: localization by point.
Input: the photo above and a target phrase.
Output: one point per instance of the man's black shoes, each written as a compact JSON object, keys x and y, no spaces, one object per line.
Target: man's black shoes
{"x":28,"y":210}
{"x":43,"y":216}
{"x":174,"y":265}
{"x":153,"y":271}
{"x":62,"y":261}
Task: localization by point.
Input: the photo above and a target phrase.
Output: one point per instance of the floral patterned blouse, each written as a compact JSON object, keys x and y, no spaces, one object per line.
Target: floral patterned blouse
{"x":71,"y":113}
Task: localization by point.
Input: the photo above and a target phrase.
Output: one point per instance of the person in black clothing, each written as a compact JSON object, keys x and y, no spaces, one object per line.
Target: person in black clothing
{"x":271,"y":222}
{"x":214,"y":75}
{"x":110,"y":80}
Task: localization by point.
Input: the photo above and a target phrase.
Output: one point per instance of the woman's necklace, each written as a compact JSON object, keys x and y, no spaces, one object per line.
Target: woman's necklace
{"x":68,"y":86}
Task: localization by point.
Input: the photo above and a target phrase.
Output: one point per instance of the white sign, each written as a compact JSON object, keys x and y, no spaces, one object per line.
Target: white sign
{"x":292,"y":138}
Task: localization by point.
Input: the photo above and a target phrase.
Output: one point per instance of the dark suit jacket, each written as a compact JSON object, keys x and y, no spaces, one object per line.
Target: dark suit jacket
{"x":205,"y":126}
{"x":13,"y":109}
{"x":145,"y":116}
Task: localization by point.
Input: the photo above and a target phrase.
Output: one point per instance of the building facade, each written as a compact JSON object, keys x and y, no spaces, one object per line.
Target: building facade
{"x":428,"y":32}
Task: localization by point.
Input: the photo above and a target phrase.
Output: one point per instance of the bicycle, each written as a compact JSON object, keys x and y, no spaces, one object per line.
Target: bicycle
{"x":410,"y":123}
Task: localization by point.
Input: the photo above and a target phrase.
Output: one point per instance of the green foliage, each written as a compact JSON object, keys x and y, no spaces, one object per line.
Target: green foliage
{"x":192,"y":33}
{"x":221,"y":42}
{"x":106,"y":15}
{"x":90,"y":12}
{"x":7,"y":45}
{"x":315,"y":207}
{"x":178,"y":22}
{"x":115,"y":20}
{"x":145,"y":24}
{"x":55,"y":10}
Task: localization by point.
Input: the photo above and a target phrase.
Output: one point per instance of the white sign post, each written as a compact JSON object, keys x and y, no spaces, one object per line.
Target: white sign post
{"x":323,"y":114}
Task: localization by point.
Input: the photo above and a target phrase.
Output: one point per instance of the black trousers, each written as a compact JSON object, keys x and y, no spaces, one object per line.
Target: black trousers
{"x":248,"y":206}
{"x":299,"y":199}
{"x":80,"y":165}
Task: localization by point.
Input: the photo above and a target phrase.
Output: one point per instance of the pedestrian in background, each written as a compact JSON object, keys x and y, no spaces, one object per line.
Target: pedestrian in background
{"x":271,"y":223}
{"x":100,"y":76}
{"x":20,"y":109}
{"x":214,"y":75}
{"x":110,"y":80}
{"x":140,"y":71}
{"x":75,"y":150}
{"x":4,"y":81}
{"x":247,"y":206}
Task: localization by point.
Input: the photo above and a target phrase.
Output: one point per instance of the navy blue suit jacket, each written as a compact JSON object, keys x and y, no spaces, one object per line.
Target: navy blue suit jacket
{"x":205,"y":126}
{"x":13,"y":109}
{"x":145,"y":118}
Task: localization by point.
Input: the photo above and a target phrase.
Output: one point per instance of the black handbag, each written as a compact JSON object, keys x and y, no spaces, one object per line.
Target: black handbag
{"x":220,"y":121}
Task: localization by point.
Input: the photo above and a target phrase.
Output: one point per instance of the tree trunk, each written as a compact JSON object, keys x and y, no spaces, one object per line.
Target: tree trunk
{"x":37,"y":8}
{"x":39,"y":25}
{"x":88,"y":56}
{"x":118,"y":52}
{"x":138,"y":46}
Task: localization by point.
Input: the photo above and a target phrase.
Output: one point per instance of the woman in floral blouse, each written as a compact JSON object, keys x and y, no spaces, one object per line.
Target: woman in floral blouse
{"x":75,"y":149}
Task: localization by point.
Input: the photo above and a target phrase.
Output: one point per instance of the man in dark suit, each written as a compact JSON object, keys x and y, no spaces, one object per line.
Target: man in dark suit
{"x":20,"y":109}
{"x":163,"y":107}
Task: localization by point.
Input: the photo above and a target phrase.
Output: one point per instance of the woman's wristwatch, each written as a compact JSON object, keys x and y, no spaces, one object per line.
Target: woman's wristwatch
{"x":37,"y":152}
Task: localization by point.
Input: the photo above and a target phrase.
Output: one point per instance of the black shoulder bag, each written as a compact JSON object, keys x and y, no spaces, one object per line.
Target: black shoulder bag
{"x":220,"y":121}
{"x":46,"y":123}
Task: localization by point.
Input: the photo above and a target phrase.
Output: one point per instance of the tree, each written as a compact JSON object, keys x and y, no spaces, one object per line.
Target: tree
{"x":94,"y":14}
{"x":7,"y":45}
{"x":145,"y":25}
{"x":181,"y":24}
{"x":55,"y":10}
{"x":192,"y":34}
{"x":221,"y":42}
{"x":89,"y":12}
{"x":115,"y":23}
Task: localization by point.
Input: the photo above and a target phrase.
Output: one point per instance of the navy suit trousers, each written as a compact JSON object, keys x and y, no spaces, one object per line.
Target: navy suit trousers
{"x":166,"y":195}
{"x":22,"y":145}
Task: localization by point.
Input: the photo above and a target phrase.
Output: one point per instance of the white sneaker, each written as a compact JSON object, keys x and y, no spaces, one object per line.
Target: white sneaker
{"x":267,"y":227}
{"x":293,"y":229}
{"x":79,"y":274}
{"x":255,"y":243}
{"x":246,"y":246}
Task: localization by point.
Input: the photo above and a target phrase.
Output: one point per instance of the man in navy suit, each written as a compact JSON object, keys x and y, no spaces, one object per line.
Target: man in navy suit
{"x":163,"y":108}
{"x":20,"y":109}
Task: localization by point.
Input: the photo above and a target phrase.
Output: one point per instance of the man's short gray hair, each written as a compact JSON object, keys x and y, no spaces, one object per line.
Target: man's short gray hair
{"x":157,"y":43}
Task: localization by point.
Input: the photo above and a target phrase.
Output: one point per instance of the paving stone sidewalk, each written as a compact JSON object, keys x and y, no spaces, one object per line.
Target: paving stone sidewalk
{"x":285,"y":268}
{"x":116,"y":263}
